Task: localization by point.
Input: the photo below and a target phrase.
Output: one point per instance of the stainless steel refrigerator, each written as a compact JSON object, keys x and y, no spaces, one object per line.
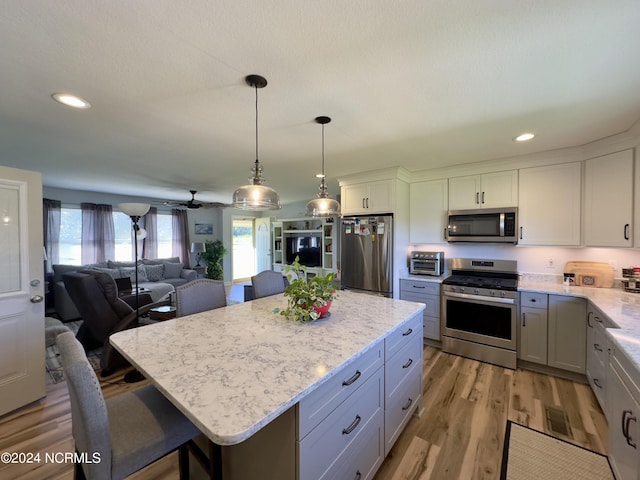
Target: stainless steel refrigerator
{"x":366,"y":254}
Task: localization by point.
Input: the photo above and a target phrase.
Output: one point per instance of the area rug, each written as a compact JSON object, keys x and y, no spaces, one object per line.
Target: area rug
{"x":529,"y":454}
{"x":53,"y":365}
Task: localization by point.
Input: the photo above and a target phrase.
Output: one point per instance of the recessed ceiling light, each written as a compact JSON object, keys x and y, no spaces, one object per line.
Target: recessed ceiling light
{"x":70,"y":100}
{"x":524,"y":137}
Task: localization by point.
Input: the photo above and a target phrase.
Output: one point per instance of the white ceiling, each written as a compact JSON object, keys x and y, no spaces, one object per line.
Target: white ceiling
{"x":413,"y":83}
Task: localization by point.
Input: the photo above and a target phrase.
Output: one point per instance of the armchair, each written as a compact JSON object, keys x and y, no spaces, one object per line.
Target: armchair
{"x":95,"y":295}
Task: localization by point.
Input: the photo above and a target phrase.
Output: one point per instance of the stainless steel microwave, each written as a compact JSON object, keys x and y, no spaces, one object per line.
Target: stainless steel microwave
{"x":484,"y":225}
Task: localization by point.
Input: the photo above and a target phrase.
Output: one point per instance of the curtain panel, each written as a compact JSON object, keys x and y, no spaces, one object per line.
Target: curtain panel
{"x":98,"y":233}
{"x":51,"y":215}
{"x":149,"y":222}
{"x":180,"y":227}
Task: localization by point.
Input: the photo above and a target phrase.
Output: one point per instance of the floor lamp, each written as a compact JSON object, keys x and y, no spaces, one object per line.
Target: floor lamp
{"x":135,"y":211}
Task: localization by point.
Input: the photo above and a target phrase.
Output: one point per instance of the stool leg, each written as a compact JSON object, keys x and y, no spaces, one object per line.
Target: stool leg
{"x":183,"y":461}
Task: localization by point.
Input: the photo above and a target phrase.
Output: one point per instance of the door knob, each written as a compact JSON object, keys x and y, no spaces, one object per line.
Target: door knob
{"x":36,"y":299}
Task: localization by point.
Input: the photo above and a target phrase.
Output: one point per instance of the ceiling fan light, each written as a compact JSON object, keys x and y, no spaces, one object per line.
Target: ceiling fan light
{"x":71,"y":100}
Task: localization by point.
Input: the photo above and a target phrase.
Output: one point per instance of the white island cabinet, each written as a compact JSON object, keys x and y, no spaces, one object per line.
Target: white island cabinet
{"x":290,"y":401}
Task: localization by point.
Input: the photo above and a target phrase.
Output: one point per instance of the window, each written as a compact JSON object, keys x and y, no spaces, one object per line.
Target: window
{"x":71,"y":236}
{"x":165,"y":235}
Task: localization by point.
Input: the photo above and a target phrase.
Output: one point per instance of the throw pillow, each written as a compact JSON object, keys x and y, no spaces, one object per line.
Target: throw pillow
{"x":154,"y":272}
{"x":112,"y":272}
{"x":172,"y":270}
{"x":131,"y":273}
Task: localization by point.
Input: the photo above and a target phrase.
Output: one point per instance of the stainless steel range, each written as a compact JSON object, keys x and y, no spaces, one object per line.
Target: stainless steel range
{"x":479,"y":309}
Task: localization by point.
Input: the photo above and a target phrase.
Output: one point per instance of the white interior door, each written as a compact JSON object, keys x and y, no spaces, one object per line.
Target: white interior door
{"x":263,"y":244}
{"x":21,"y":289}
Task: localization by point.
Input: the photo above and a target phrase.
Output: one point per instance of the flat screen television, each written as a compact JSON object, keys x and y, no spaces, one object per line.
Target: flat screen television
{"x":307,"y":247}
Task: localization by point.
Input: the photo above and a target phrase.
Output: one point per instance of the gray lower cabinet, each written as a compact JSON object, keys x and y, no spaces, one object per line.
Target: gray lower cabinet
{"x":623,"y":397}
{"x":567,"y":335}
{"x":532,"y":345}
{"x":346,"y":427}
{"x":598,"y":355}
{"x":428,"y":293}
{"x":552,"y":331}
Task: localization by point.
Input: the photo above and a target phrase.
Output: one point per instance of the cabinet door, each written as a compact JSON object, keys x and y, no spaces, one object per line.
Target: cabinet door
{"x":373,"y":197}
{"x":353,"y":198}
{"x":428,"y":211}
{"x":623,"y":428}
{"x":533,"y":335}
{"x":380,"y":197}
{"x":464,"y":192}
{"x":499,"y":189}
{"x":549,"y":204}
{"x":608,"y":200}
{"x":567,"y":333}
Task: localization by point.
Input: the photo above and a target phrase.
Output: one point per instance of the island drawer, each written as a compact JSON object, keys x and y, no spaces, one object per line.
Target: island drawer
{"x":399,"y":337}
{"x":399,"y":406}
{"x":342,"y":428}
{"x":419,"y":287}
{"x":316,"y":406}
{"x":533,"y":300}
{"x":364,"y":455}
{"x":402,"y":365}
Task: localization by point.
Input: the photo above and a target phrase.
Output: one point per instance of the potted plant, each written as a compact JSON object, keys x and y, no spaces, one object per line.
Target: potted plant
{"x":308,"y":298}
{"x":213,"y":253}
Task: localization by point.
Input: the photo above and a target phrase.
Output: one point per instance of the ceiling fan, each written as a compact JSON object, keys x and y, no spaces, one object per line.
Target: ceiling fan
{"x":192,"y":204}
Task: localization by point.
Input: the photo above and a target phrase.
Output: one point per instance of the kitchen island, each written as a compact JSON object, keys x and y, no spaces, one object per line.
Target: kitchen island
{"x":265,"y":387}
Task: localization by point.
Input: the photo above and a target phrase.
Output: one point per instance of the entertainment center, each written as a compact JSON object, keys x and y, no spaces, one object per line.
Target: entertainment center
{"x":313,"y":240}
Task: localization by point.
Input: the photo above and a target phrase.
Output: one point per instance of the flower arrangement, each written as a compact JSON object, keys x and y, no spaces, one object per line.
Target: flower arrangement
{"x":308,"y":299}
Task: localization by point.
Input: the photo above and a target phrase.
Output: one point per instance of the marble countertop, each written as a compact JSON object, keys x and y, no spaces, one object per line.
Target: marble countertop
{"x":622,"y":308}
{"x":233,"y":370}
{"x":424,"y":278}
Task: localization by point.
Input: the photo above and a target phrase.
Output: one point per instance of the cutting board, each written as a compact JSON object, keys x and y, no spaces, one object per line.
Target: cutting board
{"x":591,"y":274}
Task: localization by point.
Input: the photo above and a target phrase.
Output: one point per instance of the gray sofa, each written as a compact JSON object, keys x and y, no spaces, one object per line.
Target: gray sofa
{"x":158,"y":276}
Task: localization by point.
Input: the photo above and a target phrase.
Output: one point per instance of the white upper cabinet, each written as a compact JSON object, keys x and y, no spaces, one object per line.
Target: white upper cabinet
{"x":491,"y":190}
{"x":370,"y":197}
{"x":608,"y":200}
{"x":428,"y":211}
{"x":549,"y":204}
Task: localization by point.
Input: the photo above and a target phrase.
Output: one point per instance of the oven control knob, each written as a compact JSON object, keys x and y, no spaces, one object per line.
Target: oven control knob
{"x":492,"y":293}
{"x":453,"y":289}
{"x":476,"y":291}
{"x":502,"y":294}
{"x":461,"y":289}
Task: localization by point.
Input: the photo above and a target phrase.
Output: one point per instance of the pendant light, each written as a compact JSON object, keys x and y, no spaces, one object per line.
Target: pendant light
{"x":256,"y":196}
{"x":323,"y":205}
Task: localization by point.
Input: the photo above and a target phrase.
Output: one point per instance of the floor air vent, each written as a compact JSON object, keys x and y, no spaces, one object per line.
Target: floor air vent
{"x":558,"y":422}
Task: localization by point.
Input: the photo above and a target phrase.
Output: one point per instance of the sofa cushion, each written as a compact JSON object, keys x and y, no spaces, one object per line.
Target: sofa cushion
{"x":172,"y":270}
{"x":114,"y":264}
{"x":112,"y":272}
{"x":155,"y":273}
{"x":160,"y":261}
{"x":131,"y":273}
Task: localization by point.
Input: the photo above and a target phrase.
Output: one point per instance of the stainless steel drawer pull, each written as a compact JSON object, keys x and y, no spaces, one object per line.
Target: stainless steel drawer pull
{"x":358,"y":475}
{"x":418,"y":286}
{"x":597,"y":347}
{"x":408,"y":364}
{"x":349,"y":381}
{"x":408,"y":332}
{"x":352,"y":427}
{"x":596,"y":382}
{"x":407,"y":405}
{"x":627,"y":417}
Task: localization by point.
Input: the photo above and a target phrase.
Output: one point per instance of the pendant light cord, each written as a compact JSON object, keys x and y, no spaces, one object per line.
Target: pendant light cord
{"x":256,"y":88}
{"x":323,"y":152}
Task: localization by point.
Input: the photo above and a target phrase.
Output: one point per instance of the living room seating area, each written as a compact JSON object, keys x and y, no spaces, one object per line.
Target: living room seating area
{"x":157,"y":277}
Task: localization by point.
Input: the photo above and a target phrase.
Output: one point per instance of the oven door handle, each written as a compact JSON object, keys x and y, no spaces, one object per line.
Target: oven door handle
{"x":482,"y":298}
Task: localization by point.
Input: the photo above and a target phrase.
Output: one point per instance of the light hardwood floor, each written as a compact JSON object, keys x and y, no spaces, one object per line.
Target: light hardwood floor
{"x":459,"y":435}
